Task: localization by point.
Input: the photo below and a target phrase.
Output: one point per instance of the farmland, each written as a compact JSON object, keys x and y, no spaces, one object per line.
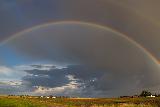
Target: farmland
{"x":16,"y":101}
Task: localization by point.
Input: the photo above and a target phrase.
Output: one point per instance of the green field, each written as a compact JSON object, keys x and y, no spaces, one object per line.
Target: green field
{"x":81,"y":102}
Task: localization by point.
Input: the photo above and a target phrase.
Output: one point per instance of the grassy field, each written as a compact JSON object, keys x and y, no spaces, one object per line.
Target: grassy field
{"x":68,"y":102}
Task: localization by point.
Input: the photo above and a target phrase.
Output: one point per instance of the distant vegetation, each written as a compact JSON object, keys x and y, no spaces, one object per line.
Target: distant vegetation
{"x":145,"y":93}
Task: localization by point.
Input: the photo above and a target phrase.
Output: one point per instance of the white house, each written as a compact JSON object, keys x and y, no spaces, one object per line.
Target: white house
{"x":151,"y":96}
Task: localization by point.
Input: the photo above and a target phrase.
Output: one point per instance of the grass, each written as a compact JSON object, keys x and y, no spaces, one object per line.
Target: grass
{"x":68,"y":102}
{"x":16,"y":102}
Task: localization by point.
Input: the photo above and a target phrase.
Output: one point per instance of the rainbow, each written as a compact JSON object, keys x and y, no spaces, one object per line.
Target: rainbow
{"x":82,"y":23}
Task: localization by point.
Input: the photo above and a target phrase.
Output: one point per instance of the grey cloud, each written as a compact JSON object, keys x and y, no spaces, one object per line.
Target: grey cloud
{"x":103,"y":50}
{"x":83,"y":75}
{"x":37,"y":66}
{"x":6,"y":89}
{"x":41,"y":66}
{"x":92,"y":82}
{"x":51,"y":78}
{"x":136,"y":19}
{"x":122,"y":61}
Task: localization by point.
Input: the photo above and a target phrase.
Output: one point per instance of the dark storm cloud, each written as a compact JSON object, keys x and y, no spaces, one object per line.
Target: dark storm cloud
{"x":128,"y":17}
{"x":138,"y":19}
{"x":92,"y":82}
{"x":86,"y":78}
{"x":115,"y":63}
{"x":57,"y":77}
{"x":51,"y":78}
{"x":18,"y":15}
{"x":122,"y":61}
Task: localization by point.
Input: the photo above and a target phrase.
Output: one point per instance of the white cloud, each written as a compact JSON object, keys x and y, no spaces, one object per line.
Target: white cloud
{"x":10,"y":74}
{"x":45,"y":67}
{"x":12,"y":83}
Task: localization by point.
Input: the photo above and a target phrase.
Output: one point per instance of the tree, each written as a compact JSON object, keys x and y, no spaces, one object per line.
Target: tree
{"x":145,"y":93}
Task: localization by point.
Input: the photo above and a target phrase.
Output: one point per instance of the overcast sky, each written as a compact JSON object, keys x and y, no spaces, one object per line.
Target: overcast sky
{"x":86,"y":48}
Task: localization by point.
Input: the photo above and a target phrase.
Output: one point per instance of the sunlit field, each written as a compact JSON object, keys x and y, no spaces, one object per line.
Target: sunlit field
{"x":78,"y":102}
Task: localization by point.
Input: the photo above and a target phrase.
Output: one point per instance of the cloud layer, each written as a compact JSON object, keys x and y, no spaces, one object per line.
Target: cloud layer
{"x":137,"y":19}
{"x":100,"y":62}
{"x":108,"y":63}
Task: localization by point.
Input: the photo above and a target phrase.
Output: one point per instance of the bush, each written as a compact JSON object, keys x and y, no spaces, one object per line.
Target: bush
{"x":145,"y":93}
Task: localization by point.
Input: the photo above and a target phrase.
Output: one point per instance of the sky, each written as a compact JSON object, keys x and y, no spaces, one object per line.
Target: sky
{"x":83,"y":48}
